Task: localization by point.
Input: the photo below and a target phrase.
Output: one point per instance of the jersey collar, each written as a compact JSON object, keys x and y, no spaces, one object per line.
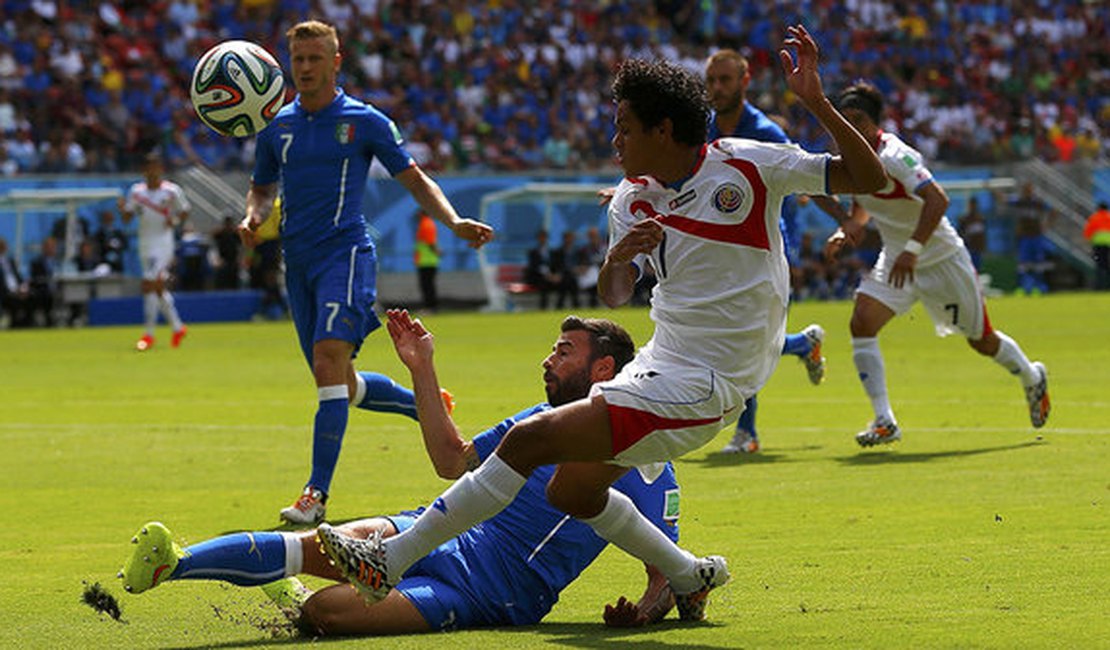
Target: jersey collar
{"x":677,"y":185}
{"x":336,"y":101}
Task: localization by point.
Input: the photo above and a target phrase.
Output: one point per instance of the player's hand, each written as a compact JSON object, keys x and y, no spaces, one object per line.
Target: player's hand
{"x":624,"y":613}
{"x":643,"y":237}
{"x":477,"y":233}
{"x":604,"y":196}
{"x":836,"y":243}
{"x":653,"y":606}
{"x":414,"y":344}
{"x":902,"y":272}
{"x":801,"y":75}
{"x":248,"y":232}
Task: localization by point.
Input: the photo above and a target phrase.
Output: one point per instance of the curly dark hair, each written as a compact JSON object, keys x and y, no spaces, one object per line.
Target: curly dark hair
{"x":658,"y":90}
{"x":865,"y":97}
{"x":607,"y":339}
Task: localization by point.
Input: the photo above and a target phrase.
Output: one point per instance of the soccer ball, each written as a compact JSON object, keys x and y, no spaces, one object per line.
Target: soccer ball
{"x":237,"y":88}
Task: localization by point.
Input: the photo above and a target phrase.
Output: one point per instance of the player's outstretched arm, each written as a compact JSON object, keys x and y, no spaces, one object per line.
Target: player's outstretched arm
{"x":857,"y":170}
{"x":657,"y":601}
{"x":430,"y":197}
{"x":449,"y":452}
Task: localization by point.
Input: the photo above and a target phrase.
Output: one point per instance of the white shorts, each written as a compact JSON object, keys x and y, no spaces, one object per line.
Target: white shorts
{"x":156,"y":265}
{"x":949,"y":290}
{"x":659,"y":411}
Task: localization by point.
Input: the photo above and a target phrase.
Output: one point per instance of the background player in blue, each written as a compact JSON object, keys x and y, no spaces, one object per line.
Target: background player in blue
{"x":320,"y":148}
{"x":506,"y":571}
{"x":726,"y":78}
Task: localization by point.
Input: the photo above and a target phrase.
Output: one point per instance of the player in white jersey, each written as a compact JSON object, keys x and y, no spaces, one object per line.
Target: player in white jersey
{"x":922,"y":259}
{"x":707,"y":218}
{"x":161,"y":206}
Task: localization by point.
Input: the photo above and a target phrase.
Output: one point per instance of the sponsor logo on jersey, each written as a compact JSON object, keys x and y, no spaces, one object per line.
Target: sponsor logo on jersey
{"x":728,"y":198}
{"x":345,"y":132}
{"x":682,"y":199}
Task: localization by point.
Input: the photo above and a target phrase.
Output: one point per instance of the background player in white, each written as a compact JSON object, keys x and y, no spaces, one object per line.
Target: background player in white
{"x":708,"y":218}
{"x":161,"y":206}
{"x":922,"y":259}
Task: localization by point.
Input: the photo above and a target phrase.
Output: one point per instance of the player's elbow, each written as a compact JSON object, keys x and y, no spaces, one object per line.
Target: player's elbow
{"x":449,"y":469}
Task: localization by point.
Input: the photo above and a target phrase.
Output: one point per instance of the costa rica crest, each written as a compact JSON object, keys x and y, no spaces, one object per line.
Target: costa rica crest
{"x":728,"y":198}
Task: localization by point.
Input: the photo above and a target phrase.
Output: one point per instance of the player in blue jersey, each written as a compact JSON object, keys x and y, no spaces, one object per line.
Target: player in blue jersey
{"x":726,"y":78}
{"x":319,"y":148}
{"x":508,"y":570}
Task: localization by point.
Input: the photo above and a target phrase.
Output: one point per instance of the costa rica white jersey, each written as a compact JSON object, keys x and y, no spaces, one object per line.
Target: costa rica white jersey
{"x":723,"y":282}
{"x":896,"y":208}
{"x":155,"y":208}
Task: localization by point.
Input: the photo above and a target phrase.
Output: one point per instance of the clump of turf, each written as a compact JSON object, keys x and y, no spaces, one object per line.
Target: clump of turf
{"x":99,"y":599}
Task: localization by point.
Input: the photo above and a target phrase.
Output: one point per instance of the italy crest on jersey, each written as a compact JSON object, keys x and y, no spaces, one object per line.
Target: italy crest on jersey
{"x":345,"y":132}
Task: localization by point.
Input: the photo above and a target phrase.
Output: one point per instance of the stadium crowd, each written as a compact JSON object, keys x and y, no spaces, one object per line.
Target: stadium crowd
{"x":511,"y":85}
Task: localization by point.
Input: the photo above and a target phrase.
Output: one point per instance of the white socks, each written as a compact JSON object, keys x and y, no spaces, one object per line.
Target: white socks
{"x":169,"y":311}
{"x":150,"y":311}
{"x":1011,"y":357}
{"x":872,"y":374}
{"x":294,"y":553}
{"x":475,"y":497}
{"x":623,"y":525}
{"x":152,"y":302}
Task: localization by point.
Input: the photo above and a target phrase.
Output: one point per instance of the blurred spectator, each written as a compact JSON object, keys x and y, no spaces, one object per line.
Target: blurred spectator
{"x":973,"y":230}
{"x":192,"y":256}
{"x":590,"y":258}
{"x":986,"y":81}
{"x":1097,"y":231}
{"x":1030,"y":215}
{"x":228,"y":249}
{"x":426,"y":257}
{"x":563,"y":261}
{"x":111,"y":242}
{"x":15,"y":294}
{"x":265,"y":266}
{"x":538,"y":272}
{"x":44,"y":283}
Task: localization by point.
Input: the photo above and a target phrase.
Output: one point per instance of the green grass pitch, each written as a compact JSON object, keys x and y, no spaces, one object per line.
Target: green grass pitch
{"x":974,"y":531}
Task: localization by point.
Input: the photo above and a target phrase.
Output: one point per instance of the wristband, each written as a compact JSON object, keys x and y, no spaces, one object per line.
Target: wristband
{"x":912,"y":247}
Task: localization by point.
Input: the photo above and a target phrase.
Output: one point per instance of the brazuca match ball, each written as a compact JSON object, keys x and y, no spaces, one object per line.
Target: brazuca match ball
{"x":237,"y":88}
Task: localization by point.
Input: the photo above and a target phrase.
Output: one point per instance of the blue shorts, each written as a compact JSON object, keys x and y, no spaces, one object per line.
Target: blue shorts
{"x":333,"y":297}
{"x":453,"y":591}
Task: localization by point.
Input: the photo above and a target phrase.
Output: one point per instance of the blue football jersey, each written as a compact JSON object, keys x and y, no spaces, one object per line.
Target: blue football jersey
{"x":540,"y":550}
{"x":753,"y":125}
{"x":322,"y":160}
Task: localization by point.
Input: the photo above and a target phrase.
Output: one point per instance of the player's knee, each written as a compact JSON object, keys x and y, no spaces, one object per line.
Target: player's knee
{"x":575,"y":503}
{"x":317,"y":619}
{"x":986,"y":346}
{"x":528,"y":445}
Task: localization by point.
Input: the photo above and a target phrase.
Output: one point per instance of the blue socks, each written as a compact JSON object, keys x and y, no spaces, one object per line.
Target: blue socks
{"x":747,"y":418}
{"x":796,"y":344}
{"x":244,"y":559}
{"x":327,"y":435}
{"x":386,"y":396}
